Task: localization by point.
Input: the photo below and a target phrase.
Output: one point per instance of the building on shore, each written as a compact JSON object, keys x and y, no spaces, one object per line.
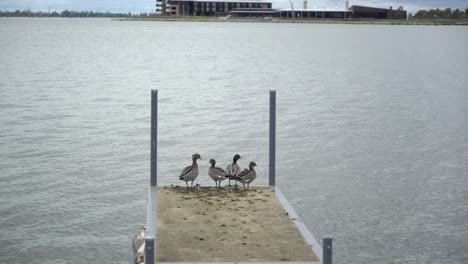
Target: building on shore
{"x":263,"y":8}
{"x":213,"y":7}
{"x":378,"y":13}
{"x":313,"y":14}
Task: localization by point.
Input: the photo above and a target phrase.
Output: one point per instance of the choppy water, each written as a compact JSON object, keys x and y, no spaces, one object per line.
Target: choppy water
{"x":372,"y":130}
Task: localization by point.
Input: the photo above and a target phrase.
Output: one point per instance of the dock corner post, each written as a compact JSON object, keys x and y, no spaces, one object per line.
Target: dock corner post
{"x":272,"y":150}
{"x":154,"y":136}
{"x":150,"y":252}
{"x":327,"y":249}
{"x":151,"y":220}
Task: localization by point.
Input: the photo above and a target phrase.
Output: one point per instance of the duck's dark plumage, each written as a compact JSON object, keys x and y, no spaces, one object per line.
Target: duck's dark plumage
{"x":190,"y":173}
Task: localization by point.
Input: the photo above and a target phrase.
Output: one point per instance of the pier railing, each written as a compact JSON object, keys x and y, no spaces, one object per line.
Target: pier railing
{"x":324,"y":253}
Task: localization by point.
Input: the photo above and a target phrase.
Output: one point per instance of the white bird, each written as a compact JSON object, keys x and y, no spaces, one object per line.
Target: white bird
{"x":233,"y":170}
{"x":247,"y":175}
{"x":216,"y":173}
{"x":190,"y":173}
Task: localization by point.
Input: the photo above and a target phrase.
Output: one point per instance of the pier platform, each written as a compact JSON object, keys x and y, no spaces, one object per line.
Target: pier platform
{"x":207,"y":224}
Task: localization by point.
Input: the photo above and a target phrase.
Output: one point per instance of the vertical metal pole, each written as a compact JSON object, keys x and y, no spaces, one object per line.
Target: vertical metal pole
{"x":327,"y":249}
{"x":150,"y":253}
{"x":272,"y":163}
{"x":150,"y":245}
{"x":154,"y":136}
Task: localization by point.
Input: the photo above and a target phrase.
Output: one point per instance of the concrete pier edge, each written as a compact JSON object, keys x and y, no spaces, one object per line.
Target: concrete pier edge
{"x":308,"y":236}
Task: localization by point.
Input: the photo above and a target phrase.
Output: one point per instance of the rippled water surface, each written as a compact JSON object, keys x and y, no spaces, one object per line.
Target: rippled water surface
{"x":372,"y":130}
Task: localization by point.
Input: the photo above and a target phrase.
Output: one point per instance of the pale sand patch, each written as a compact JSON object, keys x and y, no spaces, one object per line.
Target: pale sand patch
{"x":207,"y":224}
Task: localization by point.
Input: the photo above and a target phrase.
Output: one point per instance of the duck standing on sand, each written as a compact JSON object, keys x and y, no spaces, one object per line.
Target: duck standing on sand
{"x":247,"y":175}
{"x":233,"y":170}
{"x":190,"y":173}
{"x":217,"y":174}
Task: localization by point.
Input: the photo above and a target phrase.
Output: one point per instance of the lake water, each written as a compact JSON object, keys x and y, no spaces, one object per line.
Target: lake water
{"x":372,"y":130}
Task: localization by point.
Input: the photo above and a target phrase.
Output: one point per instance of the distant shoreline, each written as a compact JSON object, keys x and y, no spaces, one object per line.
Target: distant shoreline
{"x":305,"y":21}
{"x":415,"y":22}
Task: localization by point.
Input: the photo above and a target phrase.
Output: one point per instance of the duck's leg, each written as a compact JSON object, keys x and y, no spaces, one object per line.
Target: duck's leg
{"x":191,"y":185}
{"x":229,"y":182}
{"x":236,"y":183}
{"x":186,"y":184}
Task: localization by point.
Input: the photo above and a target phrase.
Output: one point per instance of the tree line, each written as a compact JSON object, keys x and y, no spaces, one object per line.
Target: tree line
{"x":66,"y":13}
{"x":447,"y":13}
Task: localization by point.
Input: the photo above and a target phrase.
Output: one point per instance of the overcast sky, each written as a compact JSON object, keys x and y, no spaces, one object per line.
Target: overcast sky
{"x":137,"y":6}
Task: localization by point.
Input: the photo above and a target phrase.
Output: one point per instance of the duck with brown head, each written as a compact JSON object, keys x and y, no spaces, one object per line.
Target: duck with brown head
{"x":190,"y":173}
{"x":248,"y":175}
{"x":233,"y":170}
{"x":217,"y":174}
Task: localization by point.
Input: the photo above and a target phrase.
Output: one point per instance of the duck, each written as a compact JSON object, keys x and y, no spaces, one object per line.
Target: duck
{"x":233,"y":170}
{"x":216,"y":173}
{"x":247,"y":175}
{"x":190,"y":173}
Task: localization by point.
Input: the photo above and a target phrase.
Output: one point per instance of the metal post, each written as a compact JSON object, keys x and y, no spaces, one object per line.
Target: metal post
{"x":272,"y":163}
{"x":151,"y":214}
{"x":150,"y":252}
{"x":154,"y":136}
{"x":327,"y":249}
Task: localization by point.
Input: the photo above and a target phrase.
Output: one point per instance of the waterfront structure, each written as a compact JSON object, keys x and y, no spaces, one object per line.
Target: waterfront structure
{"x":378,"y":13}
{"x":213,"y":7}
{"x":312,"y":14}
{"x":263,"y":8}
{"x":264,"y":221}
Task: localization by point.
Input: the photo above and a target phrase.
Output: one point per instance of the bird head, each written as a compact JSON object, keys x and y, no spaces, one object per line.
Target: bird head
{"x":213,"y":162}
{"x":252,"y":165}
{"x":236,"y":157}
{"x":196,"y":156}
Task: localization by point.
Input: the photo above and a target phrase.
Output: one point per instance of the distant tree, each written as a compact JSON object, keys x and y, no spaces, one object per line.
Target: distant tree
{"x":457,"y":14}
{"x":421,"y":14}
{"x":447,"y":13}
{"x":65,"y":13}
{"x":434,"y":14}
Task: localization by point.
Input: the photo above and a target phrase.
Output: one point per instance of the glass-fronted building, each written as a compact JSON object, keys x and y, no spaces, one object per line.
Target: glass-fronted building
{"x":209,"y":7}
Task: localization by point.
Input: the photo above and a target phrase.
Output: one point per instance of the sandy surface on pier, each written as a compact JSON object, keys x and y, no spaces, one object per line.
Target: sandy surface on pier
{"x":207,"y":224}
